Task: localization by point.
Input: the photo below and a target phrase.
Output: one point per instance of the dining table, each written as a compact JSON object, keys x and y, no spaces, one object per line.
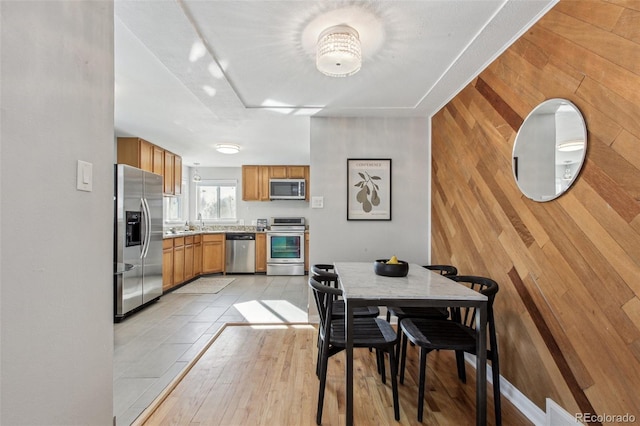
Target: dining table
{"x":361,"y":286}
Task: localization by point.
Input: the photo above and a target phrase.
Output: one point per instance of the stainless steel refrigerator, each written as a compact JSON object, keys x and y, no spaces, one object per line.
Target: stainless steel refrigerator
{"x":138,"y":238}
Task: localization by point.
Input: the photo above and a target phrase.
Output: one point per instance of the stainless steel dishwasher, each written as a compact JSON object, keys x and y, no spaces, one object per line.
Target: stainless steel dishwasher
{"x":240,"y":253}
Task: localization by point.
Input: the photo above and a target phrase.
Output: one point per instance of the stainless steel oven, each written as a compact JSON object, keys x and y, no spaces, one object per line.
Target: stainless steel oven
{"x":285,"y":246}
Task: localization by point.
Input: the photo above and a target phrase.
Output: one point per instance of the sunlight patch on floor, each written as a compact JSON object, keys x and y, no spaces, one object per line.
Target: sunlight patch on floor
{"x":270,"y":311}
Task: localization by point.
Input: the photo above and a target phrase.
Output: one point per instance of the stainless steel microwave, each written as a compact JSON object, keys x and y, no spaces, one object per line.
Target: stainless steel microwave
{"x":287,"y":189}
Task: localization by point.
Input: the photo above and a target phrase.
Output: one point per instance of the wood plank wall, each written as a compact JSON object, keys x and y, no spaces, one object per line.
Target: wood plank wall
{"x":568,"y":310}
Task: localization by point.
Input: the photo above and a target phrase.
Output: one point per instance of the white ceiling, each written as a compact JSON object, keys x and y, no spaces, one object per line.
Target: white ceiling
{"x":193,"y":73}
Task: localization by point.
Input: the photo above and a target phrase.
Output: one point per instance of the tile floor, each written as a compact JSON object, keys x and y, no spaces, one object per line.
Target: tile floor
{"x":152,"y":346}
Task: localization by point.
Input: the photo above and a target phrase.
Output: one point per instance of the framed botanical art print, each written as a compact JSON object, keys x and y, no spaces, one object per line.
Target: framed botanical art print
{"x":369,"y":189}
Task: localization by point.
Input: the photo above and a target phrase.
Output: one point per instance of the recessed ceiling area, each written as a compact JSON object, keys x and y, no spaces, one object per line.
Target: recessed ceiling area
{"x":194,"y":74}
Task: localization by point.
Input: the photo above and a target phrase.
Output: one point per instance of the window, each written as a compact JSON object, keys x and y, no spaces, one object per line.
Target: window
{"x":216,"y":200}
{"x":175,"y":207}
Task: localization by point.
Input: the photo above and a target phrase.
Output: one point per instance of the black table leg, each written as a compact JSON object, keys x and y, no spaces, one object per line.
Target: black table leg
{"x":349,"y":367}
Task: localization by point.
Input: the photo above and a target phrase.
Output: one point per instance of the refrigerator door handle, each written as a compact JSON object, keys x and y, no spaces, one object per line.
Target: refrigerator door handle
{"x":146,"y":251}
{"x":144,"y":228}
{"x":147,"y":228}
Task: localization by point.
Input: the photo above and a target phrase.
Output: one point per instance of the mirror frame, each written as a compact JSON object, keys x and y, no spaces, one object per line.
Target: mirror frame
{"x":554,"y":131}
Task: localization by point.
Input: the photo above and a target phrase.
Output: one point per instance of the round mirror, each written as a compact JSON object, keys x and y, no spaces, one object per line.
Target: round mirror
{"x":549,"y":150}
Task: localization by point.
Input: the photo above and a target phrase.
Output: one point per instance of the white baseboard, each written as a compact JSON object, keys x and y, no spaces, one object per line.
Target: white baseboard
{"x":530,"y":410}
{"x":558,"y":416}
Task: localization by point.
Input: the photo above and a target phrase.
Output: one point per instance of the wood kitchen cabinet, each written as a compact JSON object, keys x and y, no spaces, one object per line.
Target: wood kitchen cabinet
{"x":250,"y":185}
{"x":169,"y":159}
{"x":188,"y":258}
{"x":177,"y":175}
{"x":178,"y":260}
{"x":261,"y":252}
{"x":287,"y":172}
{"x":255,"y":179}
{"x":255,"y":183}
{"x":172,"y":173}
{"x":213,"y":253}
{"x":144,"y":155}
{"x":278,"y":172}
{"x":181,"y":260}
{"x":136,"y":152}
{"x":167,"y":264}
{"x":158,"y":160}
{"x":197,"y":255}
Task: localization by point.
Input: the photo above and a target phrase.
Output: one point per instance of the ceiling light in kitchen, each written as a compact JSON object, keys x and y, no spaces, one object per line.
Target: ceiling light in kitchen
{"x":196,"y":175}
{"x":571,"y":146}
{"x":338,"y":52}
{"x":227,"y":148}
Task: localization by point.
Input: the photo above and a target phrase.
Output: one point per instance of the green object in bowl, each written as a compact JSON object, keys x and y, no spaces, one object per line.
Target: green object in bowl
{"x":400,"y":269}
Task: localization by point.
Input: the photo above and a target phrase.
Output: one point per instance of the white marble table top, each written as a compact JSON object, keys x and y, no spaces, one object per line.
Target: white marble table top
{"x":360,"y":282}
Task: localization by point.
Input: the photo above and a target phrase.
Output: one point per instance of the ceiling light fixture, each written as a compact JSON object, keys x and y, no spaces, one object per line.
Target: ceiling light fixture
{"x":338,"y":51}
{"x":196,"y":175}
{"x":571,"y":146}
{"x":227,"y":148}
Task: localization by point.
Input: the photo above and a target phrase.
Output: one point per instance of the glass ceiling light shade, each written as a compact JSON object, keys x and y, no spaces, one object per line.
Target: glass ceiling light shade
{"x":196,"y":175}
{"x":571,"y":146}
{"x":338,"y":52}
{"x":227,"y":148}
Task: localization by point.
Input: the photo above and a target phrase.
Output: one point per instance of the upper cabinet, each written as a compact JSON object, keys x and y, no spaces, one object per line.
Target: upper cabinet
{"x":158,"y":160}
{"x":177,"y":175}
{"x":255,"y":183}
{"x":255,"y":179}
{"x":144,"y":155}
{"x":288,"y":172}
{"x":169,"y":172}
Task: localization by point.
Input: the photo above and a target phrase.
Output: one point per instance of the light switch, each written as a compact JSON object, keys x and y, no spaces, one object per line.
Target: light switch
{"x":84,"y":179}
{"x":317,"y":202}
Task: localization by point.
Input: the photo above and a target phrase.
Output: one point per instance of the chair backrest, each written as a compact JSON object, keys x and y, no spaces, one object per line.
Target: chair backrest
{"x":324,"y":296}
{"x":320,"y":268}
{"x":484,"y":285}
{"x":324,"y":274}
{"x":444,"y":270}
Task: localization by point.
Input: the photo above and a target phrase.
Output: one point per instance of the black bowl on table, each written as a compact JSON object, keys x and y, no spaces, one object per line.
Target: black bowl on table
{"x":400,"y":269}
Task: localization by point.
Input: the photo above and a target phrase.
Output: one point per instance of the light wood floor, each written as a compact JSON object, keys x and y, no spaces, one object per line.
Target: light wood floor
{"x":254,"y":375}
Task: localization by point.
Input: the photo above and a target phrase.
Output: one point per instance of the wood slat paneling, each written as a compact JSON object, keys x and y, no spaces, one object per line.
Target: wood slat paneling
{"x":569,"y":300}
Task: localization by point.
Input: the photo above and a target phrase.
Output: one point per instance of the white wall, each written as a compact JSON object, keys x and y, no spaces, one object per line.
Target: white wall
{"x":56,"y":282}
{"x":405,"y":141}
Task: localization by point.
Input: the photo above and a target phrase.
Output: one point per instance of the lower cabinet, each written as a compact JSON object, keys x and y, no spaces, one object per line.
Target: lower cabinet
{"x":167,"y":264}
{"x":178,"y":260}
{"x":188,"y":258}
{"x":261,"y":252}
{"x":197,"y":255}
{"x":213,"y":253}
{"x":184,"y":258}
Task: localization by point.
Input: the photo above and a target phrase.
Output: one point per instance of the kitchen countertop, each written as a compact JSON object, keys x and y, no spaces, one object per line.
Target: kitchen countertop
{"x":216,"y":230}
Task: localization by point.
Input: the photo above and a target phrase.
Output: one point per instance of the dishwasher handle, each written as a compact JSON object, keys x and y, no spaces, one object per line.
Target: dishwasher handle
{"x":243,"y":236}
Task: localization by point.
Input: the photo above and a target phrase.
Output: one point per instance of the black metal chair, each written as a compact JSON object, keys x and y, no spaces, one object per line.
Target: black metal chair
{"x":368,"y":332}
{"x":457,"y":334}
{"x":402,"y":312}
{"x":324,"y":273}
